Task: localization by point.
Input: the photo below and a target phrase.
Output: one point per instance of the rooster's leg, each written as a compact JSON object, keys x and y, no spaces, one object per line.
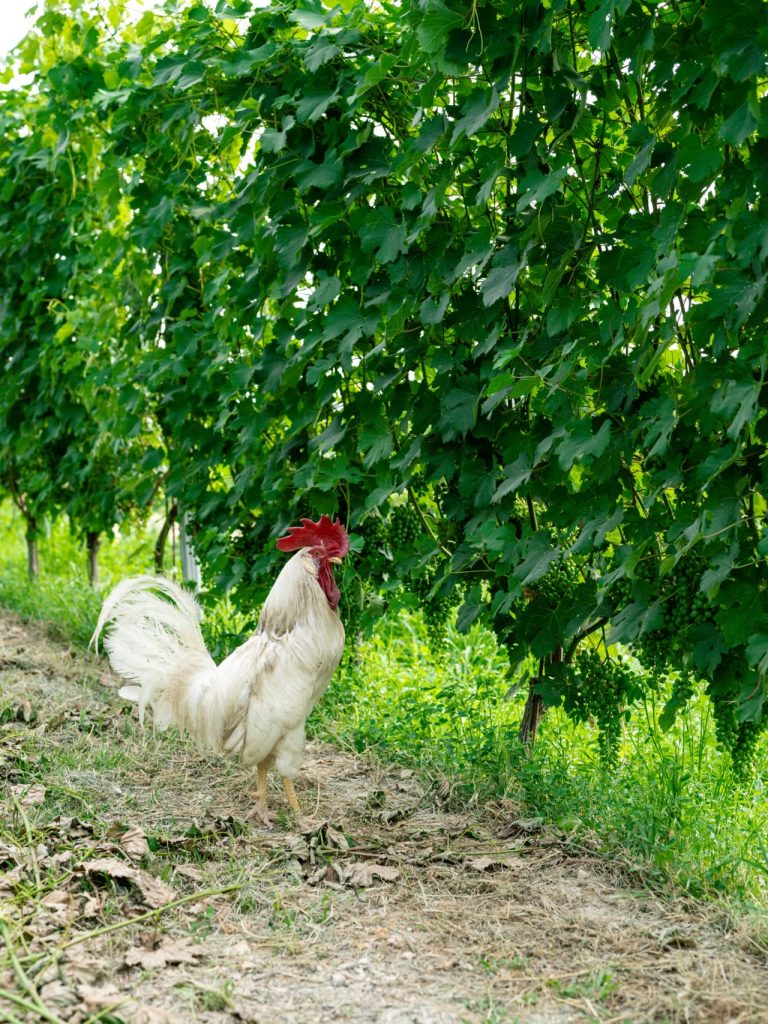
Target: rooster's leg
{"x":260,"y":810}
{"x":293,"y":800}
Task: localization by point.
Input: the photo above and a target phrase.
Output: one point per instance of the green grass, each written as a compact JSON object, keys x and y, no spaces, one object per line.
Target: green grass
{"x":62,"y":596}
{"x":671,"y":813}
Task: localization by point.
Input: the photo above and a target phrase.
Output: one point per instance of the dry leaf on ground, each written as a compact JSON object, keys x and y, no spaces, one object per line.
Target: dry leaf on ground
{"x":188,"y":871}
{"x":9,"y":880}
{"x":56,"y":993}
{"x":132,"y":841}
{"x":336,"y":840}
{"x":10,"y":854}
{"x":291,"y":844}
{"x":93,"y":906}
{"x":356,"y":875}
{"x":111,"y":867}
{"x":155,"y":893}
{"x":59,"y":905}
{"x":171,"y":951}
{"x":74,"y":828}
{"x":485,"y":863}
{"x":29,"y":796}
{"x":83,"y":968}
{"x":361,"y":875}
{"x":98,"y":997}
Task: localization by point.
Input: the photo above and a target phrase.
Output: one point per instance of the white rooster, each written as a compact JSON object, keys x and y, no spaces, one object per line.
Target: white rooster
{"x":254,"y":704}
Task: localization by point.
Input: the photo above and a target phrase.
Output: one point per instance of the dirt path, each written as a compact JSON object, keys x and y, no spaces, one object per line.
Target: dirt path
{"x":116,"y":848}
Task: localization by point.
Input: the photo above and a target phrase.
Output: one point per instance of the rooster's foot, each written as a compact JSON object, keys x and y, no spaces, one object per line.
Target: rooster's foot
{"x":260,"y":813}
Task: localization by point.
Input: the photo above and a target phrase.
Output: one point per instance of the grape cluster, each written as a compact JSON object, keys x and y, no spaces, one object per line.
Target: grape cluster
{"x":373,"y":530}
{"x":726,"y":720}
{"x":403,"y":526}
{"x":683,"y":689}
{"x":622,"y":589}
{"x":744,"y":749}
{"x":559,"y":582}
{"x":621,"y":592}
{"x":739,"y":739}
{"x":357,"y":596}
{"x":601,"y":689}
{"x":683,"y":606}
{"x":435,"y":608}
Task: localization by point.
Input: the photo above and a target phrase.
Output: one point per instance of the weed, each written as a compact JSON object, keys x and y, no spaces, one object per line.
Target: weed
{"x":492,"y":963}
{"x":595,"y":987}
{"x":206,"y":998}
{"x":203,"y":923}
{"x":491,"y":1011}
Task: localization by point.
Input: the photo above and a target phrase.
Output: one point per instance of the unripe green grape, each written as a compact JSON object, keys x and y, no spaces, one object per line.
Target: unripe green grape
{"x":683,"y":607}
{"x":404,"y":526}
{"x":621,"y":591}
{"x":726,"y":721}
{"x":351,"y":610}
{"x":744,"y":751}
{"x":683,"y":689}
{"x":435,"y":614}
{"x":435,"y":608}
{"x":558,"y":583}
{"x":373,"y":530}
{"x":601,"y":690}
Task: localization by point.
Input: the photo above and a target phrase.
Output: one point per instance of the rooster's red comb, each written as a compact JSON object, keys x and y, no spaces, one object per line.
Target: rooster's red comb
{"x":326,"y":534}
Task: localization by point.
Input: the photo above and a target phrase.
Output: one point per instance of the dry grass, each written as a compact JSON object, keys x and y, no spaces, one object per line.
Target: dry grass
{"x":136,"y":891}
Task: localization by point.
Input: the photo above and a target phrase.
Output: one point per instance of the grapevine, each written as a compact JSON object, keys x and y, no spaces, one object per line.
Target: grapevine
{"x":739,"y":739}
{"x":358,"y":336}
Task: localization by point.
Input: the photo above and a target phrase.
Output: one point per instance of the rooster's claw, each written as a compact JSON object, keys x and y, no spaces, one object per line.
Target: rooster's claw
{"x":260,"y":813}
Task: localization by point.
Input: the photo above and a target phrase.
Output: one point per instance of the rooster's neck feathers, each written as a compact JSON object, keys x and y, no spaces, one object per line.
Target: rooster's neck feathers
{"x":295,"y":596}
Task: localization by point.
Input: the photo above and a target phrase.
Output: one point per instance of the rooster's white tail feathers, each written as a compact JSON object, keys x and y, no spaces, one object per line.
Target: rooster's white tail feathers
{"x":154,"y":642}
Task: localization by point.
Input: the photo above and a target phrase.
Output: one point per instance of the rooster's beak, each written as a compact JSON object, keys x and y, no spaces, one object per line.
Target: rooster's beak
{"x":334,"y":560}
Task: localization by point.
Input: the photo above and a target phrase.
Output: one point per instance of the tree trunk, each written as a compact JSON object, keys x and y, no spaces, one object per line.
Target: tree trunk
{"x":534,"y":709}
{"x":190,"y":567}
{"x":93,"y":543}
{"x":162,"y":537}
{"x":33,"y":555}
{"x":534,"y":706}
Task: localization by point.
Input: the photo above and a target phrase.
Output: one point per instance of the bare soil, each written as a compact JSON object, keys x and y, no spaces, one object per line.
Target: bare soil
{"x":136,"y":890}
